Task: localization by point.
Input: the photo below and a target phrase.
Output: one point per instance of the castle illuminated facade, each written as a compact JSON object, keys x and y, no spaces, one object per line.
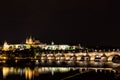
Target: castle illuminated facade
{"x":31,"y":42}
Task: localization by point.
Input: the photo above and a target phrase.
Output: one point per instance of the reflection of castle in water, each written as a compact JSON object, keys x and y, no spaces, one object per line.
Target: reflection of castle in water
{"x":29,"y":73}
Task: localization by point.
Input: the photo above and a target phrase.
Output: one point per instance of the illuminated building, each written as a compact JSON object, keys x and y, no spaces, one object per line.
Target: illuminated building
{"x":68,"y":52}
{"x":30,"y":42}
{"x":5,"y":46}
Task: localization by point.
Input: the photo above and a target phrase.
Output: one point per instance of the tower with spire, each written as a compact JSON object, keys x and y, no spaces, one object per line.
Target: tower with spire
{"x":5,"y":46}
{"x":29,"y":40}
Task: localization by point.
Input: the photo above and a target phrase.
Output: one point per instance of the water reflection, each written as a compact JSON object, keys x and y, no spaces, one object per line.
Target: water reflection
{"x":35,"y":69}
{"x":29,"y":73}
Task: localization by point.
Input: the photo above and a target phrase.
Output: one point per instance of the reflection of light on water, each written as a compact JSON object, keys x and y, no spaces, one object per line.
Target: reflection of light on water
{"x":52,"y":72}
{"x":29,"y":73}
{"x":5,"y":71}
{"x":3,"y":61}
{"x":11,"y":70}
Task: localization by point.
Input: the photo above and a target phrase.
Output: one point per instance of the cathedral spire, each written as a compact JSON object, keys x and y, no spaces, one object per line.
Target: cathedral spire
{"x":27,"y":41}
{"x":30,"y":40}
{"x":5,"y":46}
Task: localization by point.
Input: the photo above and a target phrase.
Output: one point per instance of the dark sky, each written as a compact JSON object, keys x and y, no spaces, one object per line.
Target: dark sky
{"x":90,"y":22}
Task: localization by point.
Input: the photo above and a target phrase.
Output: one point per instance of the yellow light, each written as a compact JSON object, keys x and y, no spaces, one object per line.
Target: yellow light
{"x":5,"y":71}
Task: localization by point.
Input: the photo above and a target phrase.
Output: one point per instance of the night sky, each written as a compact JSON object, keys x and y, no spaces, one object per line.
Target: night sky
{"x":89,"y":22}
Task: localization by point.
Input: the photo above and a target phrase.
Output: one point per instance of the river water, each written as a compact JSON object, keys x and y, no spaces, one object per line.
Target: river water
{"x":58,"y":71}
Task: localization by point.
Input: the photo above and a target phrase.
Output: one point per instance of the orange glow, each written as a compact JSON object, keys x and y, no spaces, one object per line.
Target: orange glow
{"x":5,"y":71}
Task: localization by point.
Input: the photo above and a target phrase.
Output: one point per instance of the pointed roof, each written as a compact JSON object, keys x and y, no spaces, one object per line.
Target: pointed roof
{"x":5,"y":43}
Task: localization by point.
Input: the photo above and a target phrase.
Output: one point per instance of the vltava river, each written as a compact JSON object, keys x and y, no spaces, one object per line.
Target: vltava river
{"x":59,"y":71}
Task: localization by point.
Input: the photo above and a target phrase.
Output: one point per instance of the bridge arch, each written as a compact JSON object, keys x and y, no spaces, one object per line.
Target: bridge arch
{"x":104,"y":58}
{"x":99,"y":57}
{"x":111,"y":57}
{"x":85,"y":58}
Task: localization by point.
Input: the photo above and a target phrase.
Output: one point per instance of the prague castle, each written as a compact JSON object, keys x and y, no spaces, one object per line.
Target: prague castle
{"x":68,"y":52}
{"x":31,"y":42}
